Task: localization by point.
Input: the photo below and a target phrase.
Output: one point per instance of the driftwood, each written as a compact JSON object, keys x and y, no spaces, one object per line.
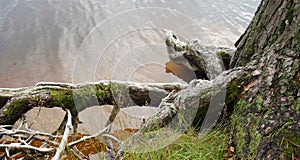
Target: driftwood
{"x":206,"y":61}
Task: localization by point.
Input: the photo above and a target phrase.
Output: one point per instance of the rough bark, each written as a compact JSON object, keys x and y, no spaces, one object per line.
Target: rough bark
{"x":268,"y":110}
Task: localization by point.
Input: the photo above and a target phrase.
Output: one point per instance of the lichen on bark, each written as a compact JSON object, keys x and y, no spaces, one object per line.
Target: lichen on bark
{"x":270,"y":46}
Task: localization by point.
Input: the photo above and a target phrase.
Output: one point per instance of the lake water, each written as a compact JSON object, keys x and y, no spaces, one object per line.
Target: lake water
{"x":78,"y":41}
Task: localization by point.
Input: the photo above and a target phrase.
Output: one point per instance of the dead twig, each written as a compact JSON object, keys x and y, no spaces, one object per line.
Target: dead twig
{"x":64,"y":139}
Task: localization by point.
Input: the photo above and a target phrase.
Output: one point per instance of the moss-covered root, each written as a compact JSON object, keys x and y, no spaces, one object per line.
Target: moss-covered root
{"x":16,"y":102}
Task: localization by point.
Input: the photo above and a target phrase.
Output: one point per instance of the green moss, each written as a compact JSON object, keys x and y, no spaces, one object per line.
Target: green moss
{"x":255,"y":136}
{"x":15,"y":106}
{"x":222,"y":54}
{"x":247,"y":135}
{"x":255,"y":140}
{"x":81,"y":98}
{"x":205,"y":94}
{"x":62,"y":98}
{"x":232,"y":93}
{"x":259,"y":102}
{"x":234,"y":90}
{"x":245,"y":127}
{"x":103,"y":92}
{"x":297,"y":104}
{"x":291,"y":98}
{"x":240,"y":139}
{"x":238,"y":123}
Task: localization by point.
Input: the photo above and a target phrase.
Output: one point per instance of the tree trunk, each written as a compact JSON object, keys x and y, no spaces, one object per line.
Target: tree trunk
{"x":268,"y":109}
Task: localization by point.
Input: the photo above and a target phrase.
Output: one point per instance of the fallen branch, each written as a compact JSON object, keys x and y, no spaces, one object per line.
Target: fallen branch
{"x":13,"y":132}
{"x":112,"y":138}
{"x":64,"y":139}
{"x":27,"y":134}
{"x":25,"y":147}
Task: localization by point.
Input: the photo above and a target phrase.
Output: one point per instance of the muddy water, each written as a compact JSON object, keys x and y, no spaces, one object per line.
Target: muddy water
{"x":78,"y":41}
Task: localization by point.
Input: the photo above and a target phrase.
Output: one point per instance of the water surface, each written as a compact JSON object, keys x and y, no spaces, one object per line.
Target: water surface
{"x":78,"y":41}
